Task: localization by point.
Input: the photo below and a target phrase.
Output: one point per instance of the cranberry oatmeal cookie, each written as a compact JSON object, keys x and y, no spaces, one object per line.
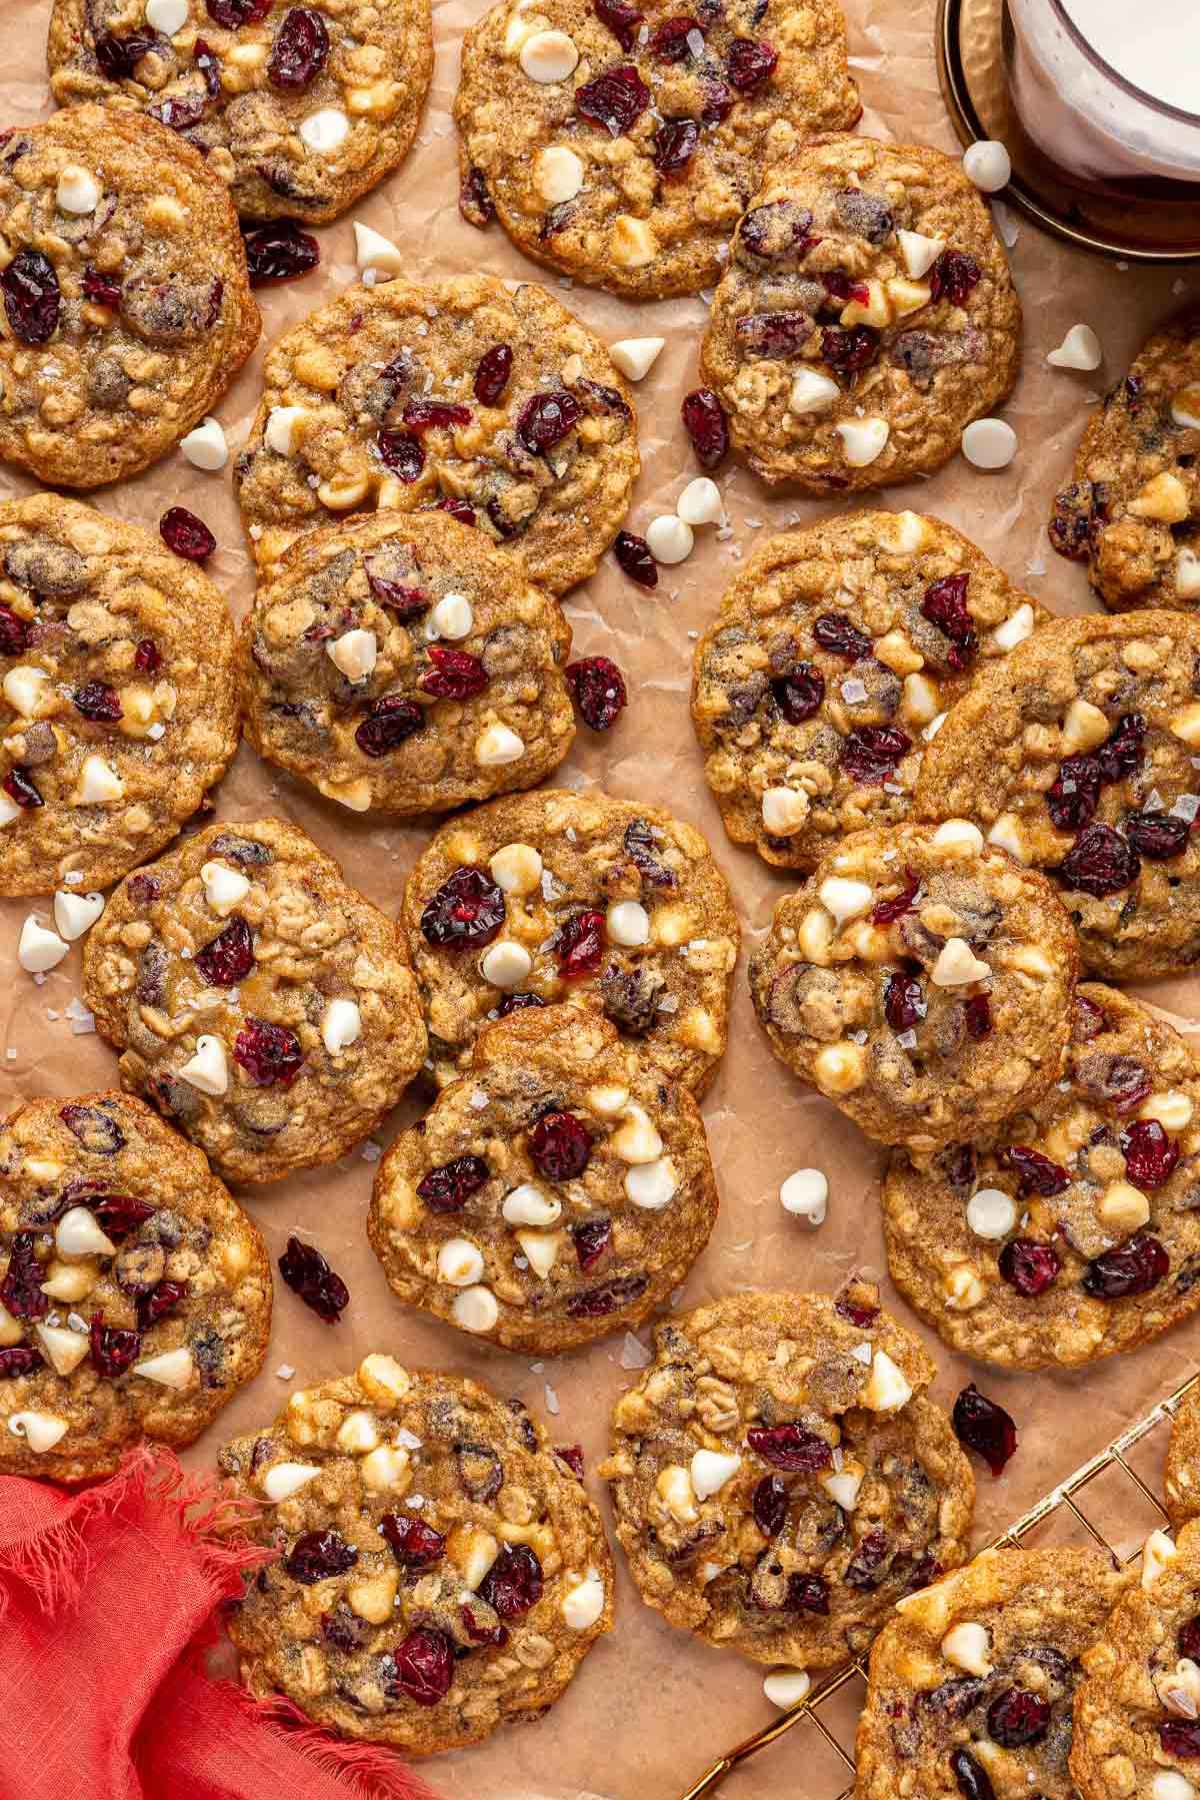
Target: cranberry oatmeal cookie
{"x":779,"y":1478}
{"x":559,"y":1192}
{"x":112,"y":726}
{"x":836,"y":651}
{"x":1132,"y":513}
{"x":579,"y":897}
{"x":972,"y":1680}
{"x":919,"y":980}
{"x":1078,"y":755}
{"x":1072,"y":1232}
{"x":1181,"y":1479}
{"x":867,"y":316}
{"x":620,"y":146}
{"x":298,"y":109}
{"x":441,"y":1570}
{"x":497,"y":406}
{"x":262,"y":1004}
{"x":136,"y":1294}
{"x":127,"y":305}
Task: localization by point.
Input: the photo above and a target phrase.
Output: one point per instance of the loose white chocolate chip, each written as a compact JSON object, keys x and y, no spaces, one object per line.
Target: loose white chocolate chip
{"x":78,"y":191}
{"x":700,"y":502}
{"x":98,"y":783}
{"x":1158,"y":1553}
{"x":341,"y":1026}
{"x":476,"y":1309}
{"x":784,"y":811}
{"x":64,"y":1350}
{"x":287,"y":1478}
{"x":991,"y":1213}
{"x":711,"y":1469}
{"x":987,"y":164}
{"x":887,"y":1388}
{"x":845,"y":899}
{"x":635,"y":357}
{"x":919,"y":252}
{"x":325,"y":130}
{"x":1080,"y":349}
{"x":173,"y":1369}
{"x":497,"y":745}
{"x":670,"y":540}
{"x":373,"y":251}
{"x":78,"y":1233}
{"x":839,"y":1068}
{"x":76,"y":913}
{"x":549,"y":56}
{"x":864,"y":440}
{"x":207,"y":1070}
{"x":205,"y":447}
{"x":1016,"y":629}
{"x":460,"y":1262}
{"x":584,"y":1603}
{"x":527,"y":1205}
{"x":505,"y":964}
{"x":967,"y":1646}
{"x":38,"y":948}
{"x":652,"y":1185}
{"x":628,"y":923}
{"x":167,"y":16}
{"x":40,"y":1430}
{"x":353,"y":654}
{"x":558,"y":173}
{"x":989,"y":444}
{"x":806,"y":1194}
{"x":516,"y":868}
{"x":957,"y":965}
{"x":812,"y":392}
{"x":224,"y":886}
{"x":281,"y":426}
{"x":636,"y":1140}
{"x":384,"y":1469}
{"x":22,"y":688}
{"x":786,"y":1687}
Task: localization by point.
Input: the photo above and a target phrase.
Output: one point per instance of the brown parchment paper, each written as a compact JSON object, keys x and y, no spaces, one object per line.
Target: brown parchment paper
{"x":650,"y":1709}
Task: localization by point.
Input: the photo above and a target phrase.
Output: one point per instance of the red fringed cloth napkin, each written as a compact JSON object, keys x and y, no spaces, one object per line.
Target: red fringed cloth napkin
{"x":106,"y":1608}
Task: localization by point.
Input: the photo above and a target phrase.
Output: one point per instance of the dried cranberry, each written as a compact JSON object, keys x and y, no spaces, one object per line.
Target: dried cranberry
{"x":1029,"y":1266}
{"x":147,"y":657}
{"x":414,"y":1544}
{"x":389,"y":723}
{"x":100,"y":289}
{"x":31,"y":297}
{"x":229,"y":957}
{"x":616,"y":99}
{"x":186,"y":535}
{"x":851,"y":350}
{"x":1157,"y":835}
{"x":834,"y":631}
{"x":455,"y":675}
{"x":492,"y":373}
{"x":622,"y":20}
{"x":97,"y":1133}
{"x":598,"y":689}
{"x":279,"y":252}
{"x":405,"y":600}
{"x":119,"y":56}
{"x":705,"y":423}
{"x":904,"y":1003}
{"x":465,"y":913}
{"x":770,"y":1506}
{"x":984,"y":1427}
{"x":1090,"y":1020}
{"x":670,"y":39}
{"x":1100,"y":862}
{"x":18,"y":1359}
{"x":886,"y":912}
{"x":954,"y":277}
{"x":870,"y":753}
{"x":234,"y":13}
{"x":308,"y":1274}
{"x":97,"y":701}
{"x":300,"y":50}
{"x":403,"y":454}
{"x":799,"y":694}
{"x":179,"y":112}
{"x":21,"y":1289}
{"x":1038,"y":1174}
{"x":447,"y":1188}
{"x":560,"y":1146}
{"x":1150,"y":1154}
{"x":1189,"y":1639}
{"x":953,"y":1699}
{"x":597,"y":1302}
{"x":435,"y":415}
{"x":21,"y":789}
{"x":14,"y":633}
{"x":718,"y":101}
{"x":790,"y":1447}
{"x":119,"y":1214}
{"x":774,"y":334}
{"x":209,"y":66}
{"x":113,"y":1350}
{"x":1121,"y":752}
{"x":270,"y":1054}
{"x":474,"y":202}
{"x":978,"y":1012}
{"x":462,"y":510}
{"x":633,"y":554}
{"x":513,"y":1583}
{"x":572,"y":1455}
{"x":1134,"y":1267}
{"x":592,"y":1238}
{"x":973,"y":1783}
{"x":1122,"y":1081}
{"x":749,"y":64}
{"x":865,"y":1568}
{"x":1074,"y":795}
{"x":319,"y":1554}
{"x":945,"y":605}
{"x":1018,"y":1717}
{"x":675,"y":144}
{"x":853,"y":1304}
{"x":780,"y":228}
{"x":479,"y":1631}
{"x":160,"y":1301}
{"x":517,"y":1002}
{"x":143,"y":889}
{"x":841,"y":288}
{"x":579,"y":944}
{"x":808,"y":1593}
{"x":546,"y":418}
{"x":424,"y":1666}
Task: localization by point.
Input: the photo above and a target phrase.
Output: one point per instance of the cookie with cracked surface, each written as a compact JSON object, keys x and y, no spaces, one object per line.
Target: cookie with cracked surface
{"x":112,"y":727}
{"x":1132,"y":512}
{"x":135,"y":1297}
{"x":297,"y":109}
{"x":497,"y":406}
{"x":557,"y":1193}
{"x":780,"y":1479}
{"x":405,"y":665}
{"x":1077,"y":755}
{"x":263,"y":1005}
{"x":1181,"y":1479}
{"x":920,"y":980}
{"x":442,"y":1570}
{"x":1071,"y":1232}
{"x":859,"y":630}
{"x":620,"y":146}
{"x":126,"y":297}
{"x":972,"y":1681}
{"x":866,"y":317}
{"x":576,"y":897}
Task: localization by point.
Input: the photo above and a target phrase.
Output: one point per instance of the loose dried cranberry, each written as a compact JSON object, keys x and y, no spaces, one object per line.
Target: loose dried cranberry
{"x":119,"y":1214}
{"x":560,"y":1146}
{"x":790,"y":1447}
{"x":96,"y":700}
{"x":973,"y":1783}
{"x":1189,"y":1639}
{"x":633,"y":554}
{"x":447,"y":1188}
{"x":579,"y":944}
{"x":985,"y":1427}
{"x":1150,"y":1154}
{"x":1018,"y":1717}
{"x":403,"y":453}
{"x":186,"y":535}
{"x":616,"y":99}
{"x":834,"y":631}
{"x":1157,"y":835}
{"x":14,"y":632}
{"x":749,"y":64}
{"x":492,"y":373}
{"x":389,"y":723}
{"x":1074,"y":795}
{"x":622,"y":20}
{"x":31,"y":297}
{"x":229,"y":957}
{"x":424,"y":1666}
{"x":100,"y":289}
{"x":945,"y":605}
{"x":270,"y":1054}
{"x":597,"y":1302}
{"x":18,"y":1359}
{"x":113,"y":1350}
{"x":1100,"y":862}
{"x":774,"y":334}
{"x":279,"y":252}
{"x":598,"y":689}
{"x":1029,"y":1266}
{"x":979,"y":1016}
{"x":147,"y":657}
{"x":770,"y":1506}
{"x":675,"y":144}
{"x":466,"y":912}
{"x":513,"y":1583}
{"x":904,"y":1002}
{"x":435,"y":415}
{"x":572,"y":1455}
{"x":592,"y":1238}
{"x":869,"y":754}
{"x":160,"y":1301}
{"x":886,"y":912}
{"x":21,"y":1289}
{"x":851,"y":350}
{"x":96,"y":1131}
{"x":309,"y":1275}
{"x":300,"y":50}
{"x":546,"y":418}
{"x":414,"y":1544}
{"x":20,"y":787}
{"x":670,"y":39}
{"x":455,"y":675}
{"x":1122,"y":751}
{"x":319,"y":1554}
{"x":799,"y":694}
{"x":705,"y":423}
{"x":1134,"y":1267}
{"x":517,"y":1002}
{"x":954,"y":277}
{"x":462,"y":510}
{"x":119,"y":56}
{"x":1038,"y":1174}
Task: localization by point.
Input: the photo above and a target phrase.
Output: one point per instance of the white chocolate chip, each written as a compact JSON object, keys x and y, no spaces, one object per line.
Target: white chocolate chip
{"x":1006,"y":835}
{"x":460,"y":1262}
{"x":635,"y":357}
{"x":989,"y":444}
{"x":98,"y":783}
{"x":957,"y":965}
{"x":845,"y":899}
{"x":968,"y":1647}
{"x":207,"y":1070}
{"x":919,"y":252}
{"x":475,"y":1309}
{"x":281,"y":427}
{"x":64,"y":1350}
{"x":325,"y":130}
{"x":173,"y":1369}
{"x":549,"y":56}
{"x":287,"y":1478}
{"x":1080,"y":349}
{"x":474,"y":1552}
{"x":383,"y":1379}
{"x":224,"y":886}
{"x":920,"y":699}
{"x":10,"y":812}
{"x":354,"y":654}
{"x":637,"y":1140}
{"x":373,"y":251}
{"x":206,"y":447}
{"x":812,"y":392}
{"x":864,"y":440}
{"x":786,"y":1687}
{"x":40,"y":1430}
{"x":1123,"y":1208}
{"x":988,"y":165}
{"x":1185,"y":724}
{"x":711,"y":1469}
{"x":505,"y":964}
{"x":527,"y":1205}
{"x":453,"y":616}
{"x":700,"y":502}
{"x":167,"y":16}
{"x":341,"y":1026}
{"x":1016,"y":629}
{"x":1169,"y":1784}
{"x":1173,"y":1110}
{"x":784,"y":811}
{"x":632,"y":244}
{"x":384,"y":1469}
{"x":76,"y":913}
{"x":516,"y":868}
{"x":887,"y":1388}
{"x":1158,"y":1553}
{"x":1187,"y":574}
{"x":960,"y":836}
{"x":652,"y":1185}
{"x":991,"y":1214}
{"x":38,"y":948}
{"x":540,"y":1249}
{"x":584,"y":1603}
{"x":78,"y":1233}
{"x":1185,"y":407}
{"x":497,"y":745}
{"x":608,"y":1102}
{"x":358,"y":1433}
{"x":22,"y":688}
{"x":843,"y":1485}
{"x":558,"y":173}
{"x":78,"y":191}
{"x":1084,"y":727}
{"x":806,"y":1194}
{"x":628,"y":923}
{"x":839,"y":1068}
{"x":670,"y":540}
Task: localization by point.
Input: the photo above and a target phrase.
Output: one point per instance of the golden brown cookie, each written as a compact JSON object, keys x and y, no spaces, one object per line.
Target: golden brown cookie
{"x":297,"y":109}
{"x":920,"y":980}
{"x":1181,"y":1480}
{"x":136,"y":1294}
{"x":620,"y":146}
{"x":866,"y":317}
{"x":118,"y":694}
{"x":496,"y":405}
{"x":558,"y":1192}
{"x":779,"y":1478}
{"x":1132,"y":512}
{"x":263,"y":1005}
{"x":836,"y":640}
{"x":442,"y":1570}
{"x":127,"y":305}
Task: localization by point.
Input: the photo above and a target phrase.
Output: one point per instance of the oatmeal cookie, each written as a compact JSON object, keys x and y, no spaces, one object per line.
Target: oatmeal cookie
{"x":136,"y":1294}
{"x":559,"y":1192}
{"x":1137,"y":1735}
{"x":561,"y":895}
{"x":972,"y":1680}
{"x":264,"y":1006}
{"x":921,"y":981}
{"x":1181,"y":1481}
{"x":621,"y":146}
{"x":402,"y":664}
{"x":1072,"y":1232}
{"x":127,"y":304}
{"x":779,"y":1478}
{"x":836,"y":649}
{"x":866,"y":317}
{"x":113,"y":723}
{"x":1132,"y":513}
{"x":1078,"y":755}
{"x":497,"y":406}
{"x":298,"y":109}
{"x":442,"y":1570}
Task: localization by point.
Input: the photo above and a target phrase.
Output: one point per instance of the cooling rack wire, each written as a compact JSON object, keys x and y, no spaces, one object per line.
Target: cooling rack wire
{"x":829,"y":1713}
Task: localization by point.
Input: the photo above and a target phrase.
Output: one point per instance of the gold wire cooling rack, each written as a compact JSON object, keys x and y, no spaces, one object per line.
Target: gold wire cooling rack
{"x":837,"y":1725}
